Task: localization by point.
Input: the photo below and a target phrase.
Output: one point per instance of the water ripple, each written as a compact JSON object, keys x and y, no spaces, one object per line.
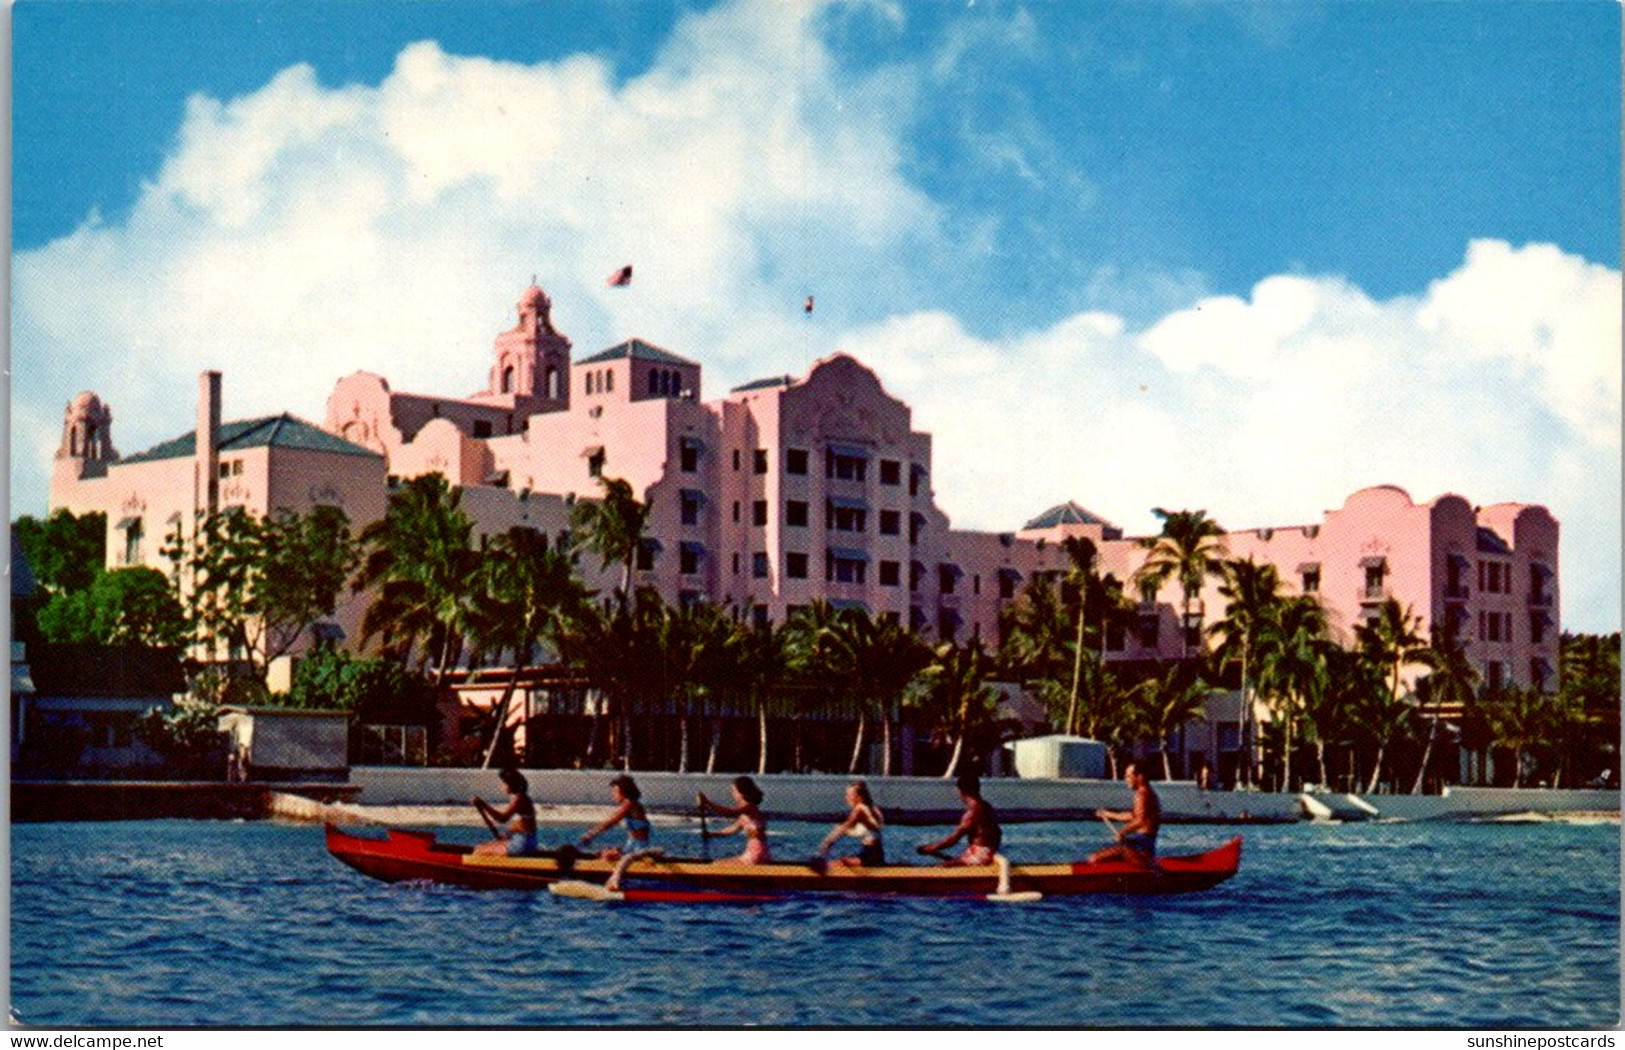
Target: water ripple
{"x":171,"y":923}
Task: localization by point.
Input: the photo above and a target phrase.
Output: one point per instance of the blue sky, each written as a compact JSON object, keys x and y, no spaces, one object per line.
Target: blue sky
{"x":1393,"y":224}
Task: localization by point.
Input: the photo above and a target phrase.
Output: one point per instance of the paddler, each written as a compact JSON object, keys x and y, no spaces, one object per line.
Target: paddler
{"x":979,"y":826}
{"x":628,"y":808}
{"x":519,"y":837}
{"x":1136,"y":839}
{"x":748,"y":820}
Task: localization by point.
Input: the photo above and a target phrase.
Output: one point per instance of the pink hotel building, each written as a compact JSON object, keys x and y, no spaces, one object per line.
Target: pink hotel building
{"x":786,"y":490}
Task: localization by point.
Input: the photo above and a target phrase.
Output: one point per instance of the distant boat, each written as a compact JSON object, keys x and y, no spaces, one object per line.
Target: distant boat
{"x":1336,"y":807}
{"x":415,"y":855}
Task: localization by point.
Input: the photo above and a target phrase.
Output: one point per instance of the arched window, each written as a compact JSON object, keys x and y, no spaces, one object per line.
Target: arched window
{"x":552,"y":382}
{"x":609,"y":381}
{"x":654,"y":381}
{"x":507,"y":380}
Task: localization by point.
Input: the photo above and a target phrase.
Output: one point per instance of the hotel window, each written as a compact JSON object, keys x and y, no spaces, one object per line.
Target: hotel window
{"x":795,"y":565}
{"x":840,"y":568}
{"x":795,"y":513}
{"x":891,"y":523}
{"x":947,"y":576}
{"x":691,"y":506}
{"x":916,"y":474}
{"x":891,"y":472}
{"x":1495,"y":675}
{"x":758,"y":615}
{"x":839,"y":518}
{"x":507,"y":380}
{"x":736,"y":512}
{"x":916,"y":573}
{"x":891,"y":573}
{"x":1311,"y":580}
{"x":654,"y":382}
{"x":976,"y":583}
{"x":609,"y":381}
{"x":947,"y":624}
{"x":1008,"y":578}
{"x":845,"y":464}
{"x":759,"y":460}
{"x":1537,"y":628}
{"x":552,"y":382}
{"x":688,"y":562}
{"x":736,"y":563}
{"x":482,"y":428}
{"x":225,"y":471}
{"x":758,"y":513}
{"x":758,"y":565}
{"x":132,"y":541}
{"x":1148,"y":632}
{"x":736,"y":459}
{"x":916,"y":525}
{"x":646,"y":556}
{"x":595,"y":464}
{"x":795,"y":461}
{"x":689,"y":455}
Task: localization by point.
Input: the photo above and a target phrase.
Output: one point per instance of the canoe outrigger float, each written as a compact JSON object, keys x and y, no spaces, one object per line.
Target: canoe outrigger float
{"x":416,"y":855}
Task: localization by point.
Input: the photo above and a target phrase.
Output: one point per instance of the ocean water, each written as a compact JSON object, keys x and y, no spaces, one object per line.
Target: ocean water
{"x":181,"y":923}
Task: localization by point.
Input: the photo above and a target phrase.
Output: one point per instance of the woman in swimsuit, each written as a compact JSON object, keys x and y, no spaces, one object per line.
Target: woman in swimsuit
{"x":866,"y":822}
{"x":747,"y":819}
{"x":628,"y":807}
{"x":520,"y":837}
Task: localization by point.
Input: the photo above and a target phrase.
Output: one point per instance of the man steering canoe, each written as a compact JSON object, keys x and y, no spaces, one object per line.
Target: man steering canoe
{"x":1136,"y":839}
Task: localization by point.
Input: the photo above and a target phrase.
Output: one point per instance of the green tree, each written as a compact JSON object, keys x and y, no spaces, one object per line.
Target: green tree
{"x":134,"y":606}
{"x":612,"y":527}
{"x":1292,"y":646}
{"x":1169,"y":703}
{"x":258,"y":584}
{"x":525,"y":592}
{"x":764,"y":661}
{"x":1188,"y":551}
{"x":886,"y":657}
{"x":419,"y":557}
{"x":66,"y":551}
{"x":1253,"y":595}
{"x":375,"y":691}
{"x":1520,"y":719}
{"x":1452,"y":680}
{"x":956,"y":697}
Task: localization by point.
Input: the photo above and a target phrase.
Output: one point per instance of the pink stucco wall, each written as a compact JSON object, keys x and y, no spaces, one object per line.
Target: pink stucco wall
{"x":524,"y":458}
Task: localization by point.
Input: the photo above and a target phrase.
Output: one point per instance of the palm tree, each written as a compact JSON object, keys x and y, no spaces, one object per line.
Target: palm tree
{"x":1331,"y":700}
{"x":821,"y":639}
{"x":1036,"y":634}
{"x":1169,"y":704}
{"x":1252,"y":593}
{"x":1392,"y":639}
{"x":764,"y":659}
{"x":1292,"y":647}
{"x":1521,"y":719}
{"x":886,"y":656}
{"x":527,"y":591}
{"x":419,"y":557}
{"x":612,"y":527}
{"x":1189,"y":549}
{"x":956,"y":695}
{"x":1452,"y":680}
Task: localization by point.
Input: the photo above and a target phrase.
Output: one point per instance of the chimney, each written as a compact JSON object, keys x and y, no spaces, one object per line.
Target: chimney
{"x":208,"y":441}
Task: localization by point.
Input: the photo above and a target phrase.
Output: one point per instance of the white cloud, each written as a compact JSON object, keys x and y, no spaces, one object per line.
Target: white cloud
{"x":1501,"y":383}
{"x":302,"y":232}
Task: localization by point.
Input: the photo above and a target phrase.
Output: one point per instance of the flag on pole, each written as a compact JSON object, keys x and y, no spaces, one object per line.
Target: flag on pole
{"x":621,"y":278}
{"x":807,"y":307}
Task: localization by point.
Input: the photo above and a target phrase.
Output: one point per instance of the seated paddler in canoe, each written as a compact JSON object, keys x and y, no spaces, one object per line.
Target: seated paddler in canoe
{"x":979,"y":827}
{"x":1137,"y":837}
{"x":519,"y":836}
{"x":748,"y":821}
{"x":629,"y":810}
{"x":865,"y":823}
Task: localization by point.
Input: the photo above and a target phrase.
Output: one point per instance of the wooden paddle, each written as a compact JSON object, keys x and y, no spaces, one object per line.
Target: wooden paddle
{"x":705,"y":831}
{"x":485,"y":815}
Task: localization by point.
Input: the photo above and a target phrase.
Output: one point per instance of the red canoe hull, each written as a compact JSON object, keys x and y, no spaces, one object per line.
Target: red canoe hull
{"x":413,"y":855}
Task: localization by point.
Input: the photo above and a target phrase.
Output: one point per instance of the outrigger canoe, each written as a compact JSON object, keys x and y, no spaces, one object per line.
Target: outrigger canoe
{"x":415,"y":855}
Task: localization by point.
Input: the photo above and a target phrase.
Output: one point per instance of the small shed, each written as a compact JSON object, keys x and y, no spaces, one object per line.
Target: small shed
{"x":1059,"y":756}
{"x":285,"y":743}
